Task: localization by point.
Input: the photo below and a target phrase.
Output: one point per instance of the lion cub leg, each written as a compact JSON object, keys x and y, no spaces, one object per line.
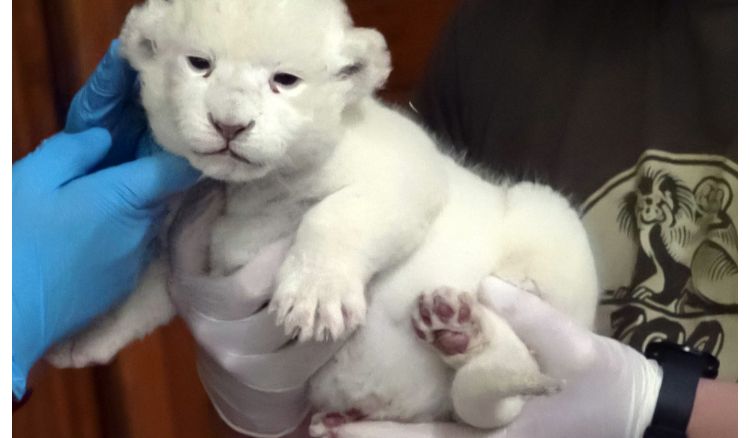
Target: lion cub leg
{"x":494,"y":369}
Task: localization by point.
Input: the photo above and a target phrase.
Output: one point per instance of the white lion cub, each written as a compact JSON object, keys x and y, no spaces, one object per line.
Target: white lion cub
{"x":275,"y":97}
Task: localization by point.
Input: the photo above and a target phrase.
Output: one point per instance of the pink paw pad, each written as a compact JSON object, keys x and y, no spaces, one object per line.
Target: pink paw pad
{"x":445,"y":319}
{"x":324,"y":424}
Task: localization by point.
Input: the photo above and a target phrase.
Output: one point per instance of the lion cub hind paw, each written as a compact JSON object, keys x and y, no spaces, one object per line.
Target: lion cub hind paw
{"x":324,"y":424}
{"x":448,"y":320}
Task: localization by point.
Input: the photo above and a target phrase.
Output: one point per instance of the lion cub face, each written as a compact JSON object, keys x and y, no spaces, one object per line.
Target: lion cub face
{"x":244,"y":88}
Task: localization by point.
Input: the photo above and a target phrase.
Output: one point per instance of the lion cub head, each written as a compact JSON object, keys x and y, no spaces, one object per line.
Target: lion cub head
{"x":245,"y":88}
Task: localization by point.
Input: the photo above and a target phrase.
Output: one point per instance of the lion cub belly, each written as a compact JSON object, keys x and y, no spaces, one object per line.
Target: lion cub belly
{"x":250,"y":223}
{"x":384,"y":369}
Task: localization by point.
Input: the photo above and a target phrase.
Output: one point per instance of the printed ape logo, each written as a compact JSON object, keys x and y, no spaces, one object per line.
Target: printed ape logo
{"x":665,"y":239}
{"x":688,"y":242}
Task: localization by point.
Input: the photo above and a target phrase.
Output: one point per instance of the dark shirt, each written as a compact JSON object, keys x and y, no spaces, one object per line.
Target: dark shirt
{"x":630,"y":108}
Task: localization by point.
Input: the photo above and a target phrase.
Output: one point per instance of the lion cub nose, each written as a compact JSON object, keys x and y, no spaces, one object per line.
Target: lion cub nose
{"x":230,"y":131}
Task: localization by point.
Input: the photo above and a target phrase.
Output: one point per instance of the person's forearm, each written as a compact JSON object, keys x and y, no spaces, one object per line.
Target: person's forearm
{"x":715,"y":410}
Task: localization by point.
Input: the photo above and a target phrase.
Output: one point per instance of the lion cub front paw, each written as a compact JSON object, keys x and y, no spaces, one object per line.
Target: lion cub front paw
{"x":318,"y":302}
{"x":85,"y":349}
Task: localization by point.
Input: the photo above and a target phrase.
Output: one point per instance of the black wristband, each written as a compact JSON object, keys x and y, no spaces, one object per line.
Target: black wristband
{"x":682,"y":369}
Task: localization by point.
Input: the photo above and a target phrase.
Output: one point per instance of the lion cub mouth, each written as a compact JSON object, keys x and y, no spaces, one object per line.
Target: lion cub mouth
{"x":227,"y":151}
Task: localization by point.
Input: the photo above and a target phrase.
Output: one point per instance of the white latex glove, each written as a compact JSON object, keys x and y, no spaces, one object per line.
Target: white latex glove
{"x":255,"y":376}
{"x":609,"y":389}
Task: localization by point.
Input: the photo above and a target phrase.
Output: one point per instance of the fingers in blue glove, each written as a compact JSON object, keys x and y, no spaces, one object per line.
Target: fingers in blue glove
{"x":64,"y":157}
{"x":99,"y":102}
{"x":145,"y":182}
{"x":127,"y":134}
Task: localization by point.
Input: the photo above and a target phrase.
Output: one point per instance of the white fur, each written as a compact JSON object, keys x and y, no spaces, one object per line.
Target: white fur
{"x":375,"y":206}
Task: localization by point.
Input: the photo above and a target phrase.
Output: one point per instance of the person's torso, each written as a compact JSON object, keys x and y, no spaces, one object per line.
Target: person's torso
{"x":631,"y":109}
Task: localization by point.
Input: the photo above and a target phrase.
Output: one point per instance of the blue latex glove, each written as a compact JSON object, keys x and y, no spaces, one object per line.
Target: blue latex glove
{"x":85,"y":214}
{"x":110,"y":99}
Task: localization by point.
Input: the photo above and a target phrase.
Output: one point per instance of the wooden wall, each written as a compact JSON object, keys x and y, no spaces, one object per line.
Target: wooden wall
{"x":151,"y":389}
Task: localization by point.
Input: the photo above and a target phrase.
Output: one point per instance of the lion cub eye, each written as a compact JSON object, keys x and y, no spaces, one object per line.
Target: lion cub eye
{"x":283,"y":80}
{"x":200,"y":65}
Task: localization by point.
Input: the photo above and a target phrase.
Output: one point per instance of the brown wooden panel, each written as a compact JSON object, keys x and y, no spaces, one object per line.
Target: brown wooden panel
{"x":63,"y":404}
{"x":34,"y":115}
{"x":80,"y":32}
{"x":411,"y":28}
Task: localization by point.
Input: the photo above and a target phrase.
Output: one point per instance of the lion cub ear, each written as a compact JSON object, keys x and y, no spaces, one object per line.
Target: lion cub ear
{"x":139,"y":35}
{"x":367,"y":62}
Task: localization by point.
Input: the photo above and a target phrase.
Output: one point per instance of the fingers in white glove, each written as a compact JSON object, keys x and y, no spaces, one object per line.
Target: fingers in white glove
{"x":234,"y":297}
{"x":550,"y":335}
{"x":379,"y":429}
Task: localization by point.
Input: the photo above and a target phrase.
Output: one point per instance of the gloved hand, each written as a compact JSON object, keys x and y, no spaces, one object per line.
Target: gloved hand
{"x":110,"y":100}
{"x":84,"y":215}
{"x":254,"y":374}
{"x":610,"y":390}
